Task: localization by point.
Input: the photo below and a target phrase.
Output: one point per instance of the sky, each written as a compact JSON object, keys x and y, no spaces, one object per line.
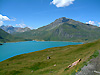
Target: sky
{"x":38,"y":13}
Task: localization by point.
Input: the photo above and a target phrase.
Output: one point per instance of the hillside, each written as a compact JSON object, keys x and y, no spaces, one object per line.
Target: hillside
{"x":6,"y":37}
{"x":64,"y":29}
{"x":36,"y":63}
{"x":11,"y":29}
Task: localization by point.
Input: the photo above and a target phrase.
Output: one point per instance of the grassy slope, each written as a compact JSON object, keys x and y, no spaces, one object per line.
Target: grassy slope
{"x":36,"y":61}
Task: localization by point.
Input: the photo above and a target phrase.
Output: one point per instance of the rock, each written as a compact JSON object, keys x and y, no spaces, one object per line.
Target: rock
{"x":54,"y":64}
{"x":7,"y":64}
{"x":51,"y":52}
{"x":48,"y":57}
{"x":51,"y":71}
{"x":32,"y":71}
{"x":1,"y":44}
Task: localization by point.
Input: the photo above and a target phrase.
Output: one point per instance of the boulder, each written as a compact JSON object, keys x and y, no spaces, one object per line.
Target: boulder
{"x":1,"y":44}
{"x":48,"y":57}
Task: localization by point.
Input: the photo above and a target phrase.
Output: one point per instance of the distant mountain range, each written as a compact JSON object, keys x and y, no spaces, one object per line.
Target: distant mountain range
{"x":63,"y":29}
{"x":6,"y":37}
{"x":11,"y":29}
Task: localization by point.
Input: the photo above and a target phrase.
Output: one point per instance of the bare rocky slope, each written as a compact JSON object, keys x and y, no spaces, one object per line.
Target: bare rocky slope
{"x":93,"y":67}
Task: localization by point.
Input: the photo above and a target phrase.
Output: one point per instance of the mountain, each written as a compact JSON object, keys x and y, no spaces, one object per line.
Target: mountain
{"x":64,"y":29}
{"x":11,"y":29}
{"x":6,"y":37}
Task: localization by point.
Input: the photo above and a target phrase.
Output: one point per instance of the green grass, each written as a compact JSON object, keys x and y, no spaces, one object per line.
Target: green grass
{"x":61,"y":56}
{"x":95,"y":54}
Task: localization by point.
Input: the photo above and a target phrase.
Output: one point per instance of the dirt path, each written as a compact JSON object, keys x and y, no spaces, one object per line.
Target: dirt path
{"x":93,"y":68}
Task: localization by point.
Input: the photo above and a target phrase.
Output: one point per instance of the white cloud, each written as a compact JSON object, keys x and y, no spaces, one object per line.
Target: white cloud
{"x":62,"y":3}
{"x":1,"y":23}
{"x":30,"y":27}
{"x":21,"y":25}
{"x":91,"y":22}
{"x":14,"y":19}
{"x":96,"y":23}
{"x":99,"y":24}
{"x":4,"y":18}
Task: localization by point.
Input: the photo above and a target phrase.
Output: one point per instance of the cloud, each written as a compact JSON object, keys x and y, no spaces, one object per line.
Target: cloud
{"x":1,"y":23}
{"x":21,"y":25}
{"x":30,"y":27}
{"x":4,"y":18}
{"x":91,"y":22}
{"x":62,"y":3}
{"x":14,"y":19}
{"x":99,"y":24}
{"x":96,"y":23}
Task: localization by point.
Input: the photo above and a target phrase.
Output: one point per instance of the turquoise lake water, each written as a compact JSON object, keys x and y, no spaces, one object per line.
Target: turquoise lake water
{"x":12,"y":49}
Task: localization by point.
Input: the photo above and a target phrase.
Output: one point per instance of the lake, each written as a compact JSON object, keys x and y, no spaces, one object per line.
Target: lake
{"x":8,"y":50}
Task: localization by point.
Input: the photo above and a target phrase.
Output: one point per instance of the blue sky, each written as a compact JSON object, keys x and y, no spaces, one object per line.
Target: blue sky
{"x":38,"y":13}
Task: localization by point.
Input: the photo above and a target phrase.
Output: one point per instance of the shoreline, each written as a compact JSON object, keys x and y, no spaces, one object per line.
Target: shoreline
{"x":45,"y":41}
{"x":39,"y":49}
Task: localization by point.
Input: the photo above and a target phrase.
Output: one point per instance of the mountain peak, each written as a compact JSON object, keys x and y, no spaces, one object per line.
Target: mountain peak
{"x":10,"y":29}
{"x":61,"y":20}
{"x":64,"y":19}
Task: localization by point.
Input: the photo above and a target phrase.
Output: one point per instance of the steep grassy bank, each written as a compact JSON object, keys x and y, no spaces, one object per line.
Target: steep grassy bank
{"x":36,"y":63}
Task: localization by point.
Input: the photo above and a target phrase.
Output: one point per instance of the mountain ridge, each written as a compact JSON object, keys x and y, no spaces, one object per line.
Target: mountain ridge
{"x":6,"y":37}
{"x":11,"y":29}
{"x":63,"y":29}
